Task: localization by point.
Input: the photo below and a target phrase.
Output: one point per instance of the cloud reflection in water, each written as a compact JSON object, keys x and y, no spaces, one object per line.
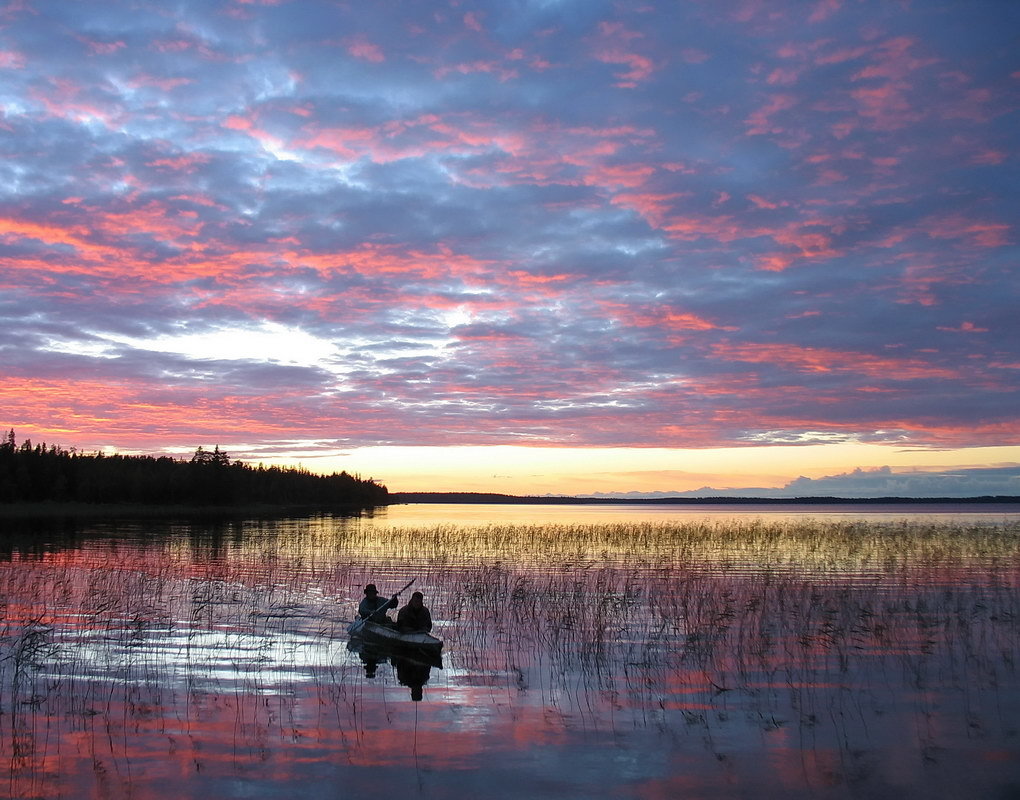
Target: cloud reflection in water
{"x":581,"y":661}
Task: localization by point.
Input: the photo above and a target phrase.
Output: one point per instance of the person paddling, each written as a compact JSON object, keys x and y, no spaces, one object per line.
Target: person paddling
{"x":374,"y":608}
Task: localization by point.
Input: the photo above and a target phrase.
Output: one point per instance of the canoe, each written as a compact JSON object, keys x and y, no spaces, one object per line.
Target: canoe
{"x":384,"y":633}
{"x":370,"y":650}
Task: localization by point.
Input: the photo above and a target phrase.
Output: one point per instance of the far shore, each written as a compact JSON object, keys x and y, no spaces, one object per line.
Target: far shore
{"x":128,"y":510}
{"x":489,"y":498}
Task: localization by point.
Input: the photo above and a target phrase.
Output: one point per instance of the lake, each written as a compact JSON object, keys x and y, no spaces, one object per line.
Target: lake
{"x":590,"y":651}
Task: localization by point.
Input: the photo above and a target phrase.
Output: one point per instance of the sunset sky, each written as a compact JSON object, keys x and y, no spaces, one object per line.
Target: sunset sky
{"x":522,"y":246}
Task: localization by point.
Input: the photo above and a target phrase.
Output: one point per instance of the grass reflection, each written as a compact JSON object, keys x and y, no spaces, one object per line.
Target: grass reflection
{"x":184,"y":649}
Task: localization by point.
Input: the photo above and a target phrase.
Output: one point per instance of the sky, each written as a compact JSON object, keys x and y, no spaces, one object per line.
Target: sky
{"x":525,"y":246}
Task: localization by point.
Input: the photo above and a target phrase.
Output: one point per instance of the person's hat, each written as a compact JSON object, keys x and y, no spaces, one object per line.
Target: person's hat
{"x":370,"y":589}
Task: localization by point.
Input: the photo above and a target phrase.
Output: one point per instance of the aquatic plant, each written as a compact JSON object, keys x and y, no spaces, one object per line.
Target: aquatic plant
{"x":158,"y":625}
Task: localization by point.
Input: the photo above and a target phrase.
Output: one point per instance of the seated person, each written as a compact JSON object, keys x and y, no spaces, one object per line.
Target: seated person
{"x":414,"y":616}
{"x":373,"y":607}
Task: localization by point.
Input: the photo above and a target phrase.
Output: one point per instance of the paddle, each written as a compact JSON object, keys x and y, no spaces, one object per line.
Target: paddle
{"x":359,"y":623}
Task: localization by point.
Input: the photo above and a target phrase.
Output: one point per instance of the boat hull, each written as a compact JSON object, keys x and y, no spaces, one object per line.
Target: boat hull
{"x":373,"y":631}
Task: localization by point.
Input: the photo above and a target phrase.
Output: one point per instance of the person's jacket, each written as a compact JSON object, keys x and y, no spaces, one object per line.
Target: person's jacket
{"x":410,"y":618}
{"x":375,"y":608}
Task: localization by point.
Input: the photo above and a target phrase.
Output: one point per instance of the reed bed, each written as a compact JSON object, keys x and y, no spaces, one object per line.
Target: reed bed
{"x":660,"y":619}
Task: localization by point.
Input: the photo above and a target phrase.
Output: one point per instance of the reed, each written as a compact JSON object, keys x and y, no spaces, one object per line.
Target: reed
{"x":668,"y":617}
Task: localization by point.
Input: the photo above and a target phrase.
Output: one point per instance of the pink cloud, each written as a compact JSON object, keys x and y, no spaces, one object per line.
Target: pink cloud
{"x":350,"y":143}
{"x":614,"y":47}
{"x":990,"y":157}
{"x":775,"y":262}
{"x":187,"y":163}
{"x":920,"y":279}
{"x":824,"y":9}
{"x":171,"y":45}
{"x":383,"y":260}
{"x":10,"y":59}
{"x":810,"y":240}
{"x":828,"y":177}
{"x":12,"y":228}
{"x":626,"y":175}
{"x":887,"y":106}
{"x":747,"y":10}
{"x":162,"y":84}
{"x":198,"y":199}
{"x":761,"y":202}
{"x":723,"y":228}
{"x":542,"y":154}
{"x":821,"y":360}
{"x":686,"y":321}
{"x":893,"y":60}
{"x":361,"y":47}
{"x":760,"y":121}
{"x":467,"y":68}
{"x":153,"y":218}
{"x":653,"y":207}
{"x":977,"y":232}
{"x":965,"y":327}
{"x":103,"y":48}
{"x":842,"y":55}
{"x":236,"y":123}
{"x":811,"y":243}
{"x":62,"y":98}
{"x":976,"y":105}
{"x":640,"y":67}
{"x":783,"y":76}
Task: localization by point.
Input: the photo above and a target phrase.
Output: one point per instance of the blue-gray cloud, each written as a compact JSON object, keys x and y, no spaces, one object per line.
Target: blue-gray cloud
{"x":1001,"y":481}
{"x":585,"y":223}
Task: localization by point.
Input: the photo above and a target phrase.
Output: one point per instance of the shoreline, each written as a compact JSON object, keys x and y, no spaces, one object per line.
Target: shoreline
{"x":126,"y":510}
{"x":480,"y":498}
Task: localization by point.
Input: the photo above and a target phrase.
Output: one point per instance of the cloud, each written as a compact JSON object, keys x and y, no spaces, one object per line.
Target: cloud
{"x":580,"y":224}
{"x":999,"y":481}
{"x":884,"y":482}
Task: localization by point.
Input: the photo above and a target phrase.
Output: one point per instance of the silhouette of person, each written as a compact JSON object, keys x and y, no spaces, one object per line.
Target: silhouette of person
{"x":374,"y":608}
{"x":414,"y":616}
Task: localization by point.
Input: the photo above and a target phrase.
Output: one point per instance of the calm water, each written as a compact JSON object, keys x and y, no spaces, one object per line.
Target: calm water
{"x":467,"y":514}
{"x":590,"y":652}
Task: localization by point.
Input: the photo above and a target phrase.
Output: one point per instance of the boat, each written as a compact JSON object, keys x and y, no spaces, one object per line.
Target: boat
{"x":373,"y":653}
{"x":387,"y":634}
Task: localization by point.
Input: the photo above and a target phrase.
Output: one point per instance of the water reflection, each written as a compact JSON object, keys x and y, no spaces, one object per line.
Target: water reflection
{"x":413,"y":669}
{"x":582,"y":660}
{"x":428,"y":514}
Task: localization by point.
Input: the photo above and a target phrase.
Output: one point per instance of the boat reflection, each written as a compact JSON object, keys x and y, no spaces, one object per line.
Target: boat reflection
{"x":413,"y":668}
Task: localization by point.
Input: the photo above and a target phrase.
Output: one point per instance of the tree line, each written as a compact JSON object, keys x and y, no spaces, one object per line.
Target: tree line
{"x":41,"y":474}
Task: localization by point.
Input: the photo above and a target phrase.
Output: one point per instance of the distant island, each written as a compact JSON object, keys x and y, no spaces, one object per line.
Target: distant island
{"x":490,"y":498}
{"x":40,"y":476}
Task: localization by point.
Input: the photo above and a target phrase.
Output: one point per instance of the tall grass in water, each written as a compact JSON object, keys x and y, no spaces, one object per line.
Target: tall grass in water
{"x":653,"y":616}
{"x":667,"y":611}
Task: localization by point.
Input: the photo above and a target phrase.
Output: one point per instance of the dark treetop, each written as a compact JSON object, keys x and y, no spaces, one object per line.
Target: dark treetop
{"x":42,"y":474}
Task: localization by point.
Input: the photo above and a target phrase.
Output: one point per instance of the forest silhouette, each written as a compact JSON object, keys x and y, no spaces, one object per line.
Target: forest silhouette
{"x":41,"y":474}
